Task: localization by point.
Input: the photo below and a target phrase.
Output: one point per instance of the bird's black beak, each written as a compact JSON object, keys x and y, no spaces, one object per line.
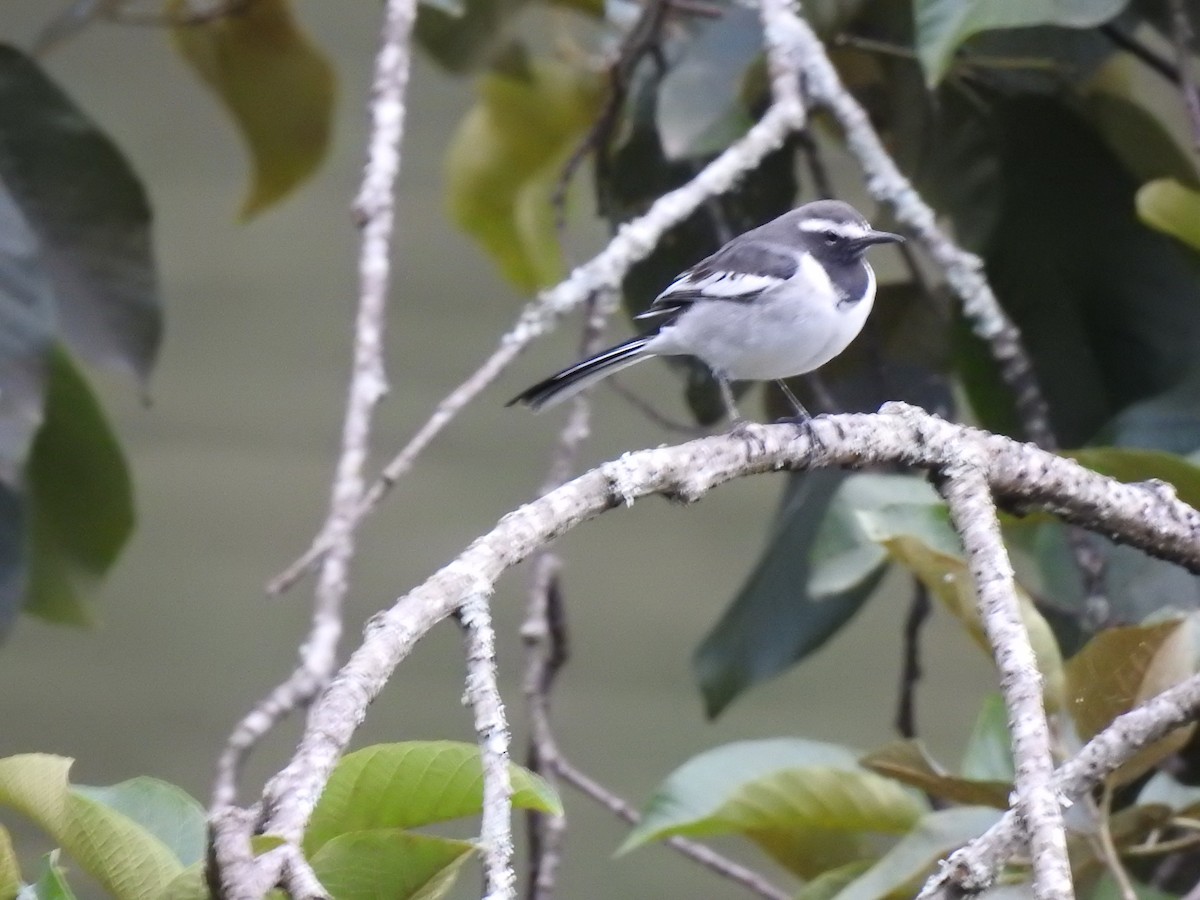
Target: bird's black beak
{"x":878,"y":237}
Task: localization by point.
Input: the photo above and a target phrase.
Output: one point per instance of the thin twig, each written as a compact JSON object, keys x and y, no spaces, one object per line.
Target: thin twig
{"x":693,"y":850}
{"x":1144,"y":54}
{"x":374,"y":212}
{"x":1183,"y":38}
{"x":973,"y":513}
{"x":1108,"y":850}
{"x":910,"y":674}
{"x":491,"y":728}
{"x":544,"y":630}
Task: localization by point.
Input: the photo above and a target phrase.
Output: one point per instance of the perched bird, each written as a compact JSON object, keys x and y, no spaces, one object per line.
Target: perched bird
{"x":780,"y":300}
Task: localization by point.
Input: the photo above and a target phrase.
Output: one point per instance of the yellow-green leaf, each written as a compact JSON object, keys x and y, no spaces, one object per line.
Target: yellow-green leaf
{"x":10,"y":871}
{"x":277,"y":85}
{"x":505,"y":159}
{"x":1121,"y":668}
{"x":1170,"y":207}
{"x":390,"y":862}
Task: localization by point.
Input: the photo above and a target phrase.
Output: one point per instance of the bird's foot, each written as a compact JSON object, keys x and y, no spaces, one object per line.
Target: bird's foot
{"x":804,"y":424}
{"x":745,"y":430}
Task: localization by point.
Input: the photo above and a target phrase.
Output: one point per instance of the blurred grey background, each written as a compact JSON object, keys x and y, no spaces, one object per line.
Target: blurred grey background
{"x":233,"y":457}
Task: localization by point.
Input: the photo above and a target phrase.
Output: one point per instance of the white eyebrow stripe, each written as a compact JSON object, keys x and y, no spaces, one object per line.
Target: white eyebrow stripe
{"x":843,"y":229}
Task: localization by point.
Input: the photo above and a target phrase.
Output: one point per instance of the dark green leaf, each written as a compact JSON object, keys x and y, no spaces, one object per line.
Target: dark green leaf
{"x":830,"y":883}
{"x":1108,"y":889}
{"x":1109,"y":310}
{"x":806,"y":803}
{"x":918,"y":852}
{"x":411,"y":784}
{"x":907,"y":762}
{"x":389,"y":862}
{"x":943,"y":25}
{"x":166,"y":811}
{"x":51,"y":884}
{"x":774,"y":620}
{"x":471,"y":38}
{"x":80,"y":498}
{"x":1131,"y":465}
{"x":90,"y":214}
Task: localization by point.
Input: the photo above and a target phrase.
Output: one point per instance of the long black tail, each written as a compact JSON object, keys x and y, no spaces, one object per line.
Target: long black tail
{"x":572,"y":380}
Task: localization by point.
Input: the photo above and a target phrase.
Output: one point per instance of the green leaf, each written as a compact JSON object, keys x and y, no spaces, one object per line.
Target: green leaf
{"x":806,"y":803}
{"x":10,"y":869}
{"x":843,"y":554}
{"x":943,"y":25}
{"x":988,"y":756}
{"x":915,"y":856}
{"x":470,"y":39}
{"x":275,"y":83}
{"x":1173,"y":209}
{"x":389,"y":862}
{"x":1120,"y":669}
{"x":124,"y":858}
{"x":775,"y":620}
{"x":91,"y":218}
{"x":169,"y":813}
{"x":1132,"y":465}
{"x":411,"y":784}
{"x":700,"y":107}
{"x":80,"y":497}
{"x":51,"y":883}
{"x":505,"y":159}
{"x":1108,"y":889}
{"x":908,"y":762}
{"x":1083,"y":279}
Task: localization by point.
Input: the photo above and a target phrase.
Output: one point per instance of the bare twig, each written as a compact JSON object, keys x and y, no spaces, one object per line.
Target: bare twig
{"x":1184,"y":40}
{"x":374,"y":213}
{"x":918,"y":612}
{"x":973,"y":513}
{"x":693,"y":850}
{"x":1146,"y":55}
{"x":973,"y":868}
{"x":491,"y":727}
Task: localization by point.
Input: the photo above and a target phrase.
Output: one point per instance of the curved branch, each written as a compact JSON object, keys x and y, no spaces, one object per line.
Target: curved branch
{"x":1142,"y":515}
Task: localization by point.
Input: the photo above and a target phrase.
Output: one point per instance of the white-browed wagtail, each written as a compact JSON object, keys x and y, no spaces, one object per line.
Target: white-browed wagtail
{"x":780,"y":300}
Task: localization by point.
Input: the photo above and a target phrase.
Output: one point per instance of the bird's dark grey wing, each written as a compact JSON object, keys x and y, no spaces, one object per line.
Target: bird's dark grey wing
{"x":738,"y":272}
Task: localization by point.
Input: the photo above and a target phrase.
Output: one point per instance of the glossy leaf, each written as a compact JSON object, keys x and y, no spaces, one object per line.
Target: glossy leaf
{"x":10,"y":869}
{"x":80,"y":498}
{"x":806,"y":803}
{"x":988,"y":756}
{"x":275,"y":83}
{"x":775,"y":620}
{"x":389,"y":862}
{"x":943,"y":25}
{"x":123,"y":857}
{"x":410,"y":784}
{"x":1172,"y":208}
{"x":919,"y":852}
{"x":907,"y":762}
{"x":51,"y":883}
{"x":506,"y":157}
{"x":169,"y":813}
{"x":89,"y":213}
{"x":1121,"y":668}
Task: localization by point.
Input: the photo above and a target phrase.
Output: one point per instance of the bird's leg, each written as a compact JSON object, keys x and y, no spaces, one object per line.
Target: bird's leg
{"x":735,"y":418}
{"x":803,"y":419}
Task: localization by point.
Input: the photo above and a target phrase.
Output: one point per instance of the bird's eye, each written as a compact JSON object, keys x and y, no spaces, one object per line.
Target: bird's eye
{"x":830,"y":237}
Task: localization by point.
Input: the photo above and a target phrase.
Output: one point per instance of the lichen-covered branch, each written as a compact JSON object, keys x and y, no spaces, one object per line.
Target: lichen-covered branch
{"x":973,"y":514}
